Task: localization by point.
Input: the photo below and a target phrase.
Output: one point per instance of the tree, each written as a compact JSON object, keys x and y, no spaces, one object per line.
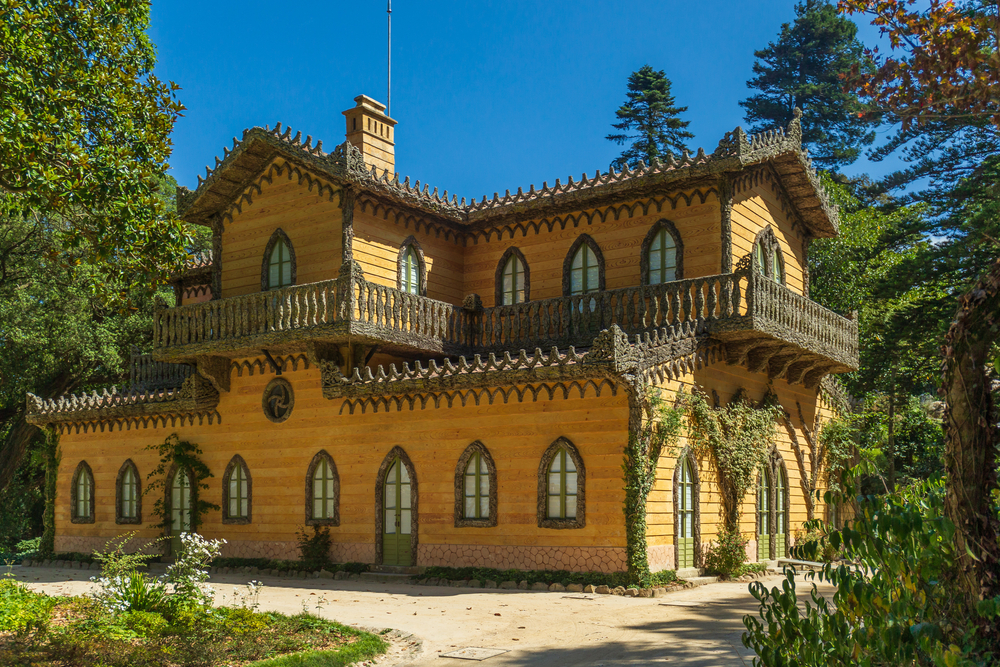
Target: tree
{"x":85,"y":127}
{"x":649,"y":120}
{"x":804,"y":68}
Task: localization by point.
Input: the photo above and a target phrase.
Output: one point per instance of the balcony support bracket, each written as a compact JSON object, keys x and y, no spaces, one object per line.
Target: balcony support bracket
{"x":216,"y":370}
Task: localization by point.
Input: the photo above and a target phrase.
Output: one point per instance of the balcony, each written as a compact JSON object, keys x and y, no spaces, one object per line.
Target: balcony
{"x":762,"y":323}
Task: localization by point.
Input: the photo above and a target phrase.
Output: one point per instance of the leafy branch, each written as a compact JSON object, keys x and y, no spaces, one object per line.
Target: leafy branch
{"x":177,"y":454}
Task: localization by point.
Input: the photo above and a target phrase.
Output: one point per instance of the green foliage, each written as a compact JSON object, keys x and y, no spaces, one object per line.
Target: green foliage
{"x":804,"y":68}
{"x":115,"y":561}
{"x":819,"y":547}
{"x":656,"y":437}
{"x":612,"y":579}
{"x":51,"y":457}
{"x":366,"y":647}
{"x":289,"y":565}
{"x":839,"y":440}
{"x":22,"y":612}
{"x":146,"y":624}
{"x":750,"y":568}
{"x":727,"y":555}
{"x":738,"y":436}
{"x":183,"y":455}
{"x":650,"y":114}
{"x":189,"y":571}
{"x":892,"y":605}
{"x":315,"y":548}
{"x":85,"y":127}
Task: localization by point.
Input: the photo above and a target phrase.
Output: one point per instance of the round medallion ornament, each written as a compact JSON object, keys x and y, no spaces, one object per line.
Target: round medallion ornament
{"x":278,"y":400}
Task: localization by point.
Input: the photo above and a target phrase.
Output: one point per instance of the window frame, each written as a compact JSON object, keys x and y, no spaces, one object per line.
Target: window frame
{"x":662,"y":225}
{"x":120,"y":517}
{"x":498,"y":278}
{"x":408,"y":243}
{"x":687,"y":456}
{"x":322,"y":455}
{"x":265,"y":269}
{"x":580,"y":521}
{"x":228,"y":518}
{"x":767,"y":244}
{"x":568,"y":264}
{"x":461,"y":521}
{"x":82,"y":468}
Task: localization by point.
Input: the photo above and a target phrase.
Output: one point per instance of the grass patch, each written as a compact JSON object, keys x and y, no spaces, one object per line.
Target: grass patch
{"x":612,"y":579}
{"x":364,"y":648}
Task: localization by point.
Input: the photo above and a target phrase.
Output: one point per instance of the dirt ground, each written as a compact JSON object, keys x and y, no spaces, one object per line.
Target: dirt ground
{"x":694,"y":627}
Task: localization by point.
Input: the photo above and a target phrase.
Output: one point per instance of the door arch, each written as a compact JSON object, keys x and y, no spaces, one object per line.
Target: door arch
{"x":687,"y":514}
{"x":396,"y":518}
{"x":780,"y":509}
{"x":179,"y":498}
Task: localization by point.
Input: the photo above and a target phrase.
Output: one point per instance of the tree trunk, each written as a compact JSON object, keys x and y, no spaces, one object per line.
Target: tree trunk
{"x":971,"y":440}
{"x":14,"y":446}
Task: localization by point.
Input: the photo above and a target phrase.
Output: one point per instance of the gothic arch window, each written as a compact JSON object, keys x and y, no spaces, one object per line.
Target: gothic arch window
{"x":322,"y":491}
{"x":128,"y":495}
{"x":662,"y":258}
{"x":278,"y":268}
{"x":768,"y":257}
{"x":781,"y":506}
{"x":583,"y":268}
{"x":764,"y":502}
{"x":687,"y":511}
{"x":513,"y":279}
{"x":396,"y":516}
{"x":411,"y":276}
{"x":82,"y":495}
{"x":237,"y":492}
{"x":561,"y":487}
{"x":475,"y":488}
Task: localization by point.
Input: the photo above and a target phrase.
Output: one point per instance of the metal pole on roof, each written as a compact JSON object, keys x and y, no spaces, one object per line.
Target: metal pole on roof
{"x":388,"y":91}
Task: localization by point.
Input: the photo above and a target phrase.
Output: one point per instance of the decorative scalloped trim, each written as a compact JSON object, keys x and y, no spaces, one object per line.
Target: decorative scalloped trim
{"x":127,"y":424}
{"x":276,"y":169}
{"x":262,"y":367}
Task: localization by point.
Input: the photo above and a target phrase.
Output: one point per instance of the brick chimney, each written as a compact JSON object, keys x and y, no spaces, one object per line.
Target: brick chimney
{"x":374,"y":133}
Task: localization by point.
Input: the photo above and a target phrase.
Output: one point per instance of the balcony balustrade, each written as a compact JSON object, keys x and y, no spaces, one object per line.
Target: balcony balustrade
{"x":741,"y":305}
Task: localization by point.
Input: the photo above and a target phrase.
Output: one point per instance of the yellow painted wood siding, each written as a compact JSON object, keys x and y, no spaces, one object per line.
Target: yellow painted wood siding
{"x":756,"y":208}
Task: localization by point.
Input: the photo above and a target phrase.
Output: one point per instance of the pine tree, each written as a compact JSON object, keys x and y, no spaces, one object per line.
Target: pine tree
{"x":649,"y":120}
{"x":806,"y":68}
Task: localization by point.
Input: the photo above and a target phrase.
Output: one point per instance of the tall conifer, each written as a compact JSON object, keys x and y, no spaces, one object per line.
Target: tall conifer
{"x":806,"y":68}
{"x":649,"y":120}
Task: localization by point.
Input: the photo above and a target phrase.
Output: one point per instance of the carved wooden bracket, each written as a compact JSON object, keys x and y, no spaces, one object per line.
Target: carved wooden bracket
{"x":216,"y":371}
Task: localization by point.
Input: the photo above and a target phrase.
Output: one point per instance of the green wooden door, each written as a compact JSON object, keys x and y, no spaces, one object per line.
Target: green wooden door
{"x":180,"y":509}
{"x":764,"y":517}
{"x":398,"y":516}
{"x":781,"y":518}
{"x":685,"y":518}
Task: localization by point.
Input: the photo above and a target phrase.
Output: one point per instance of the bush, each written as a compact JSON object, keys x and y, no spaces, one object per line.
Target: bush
{"x":315,"y":548}
{"x":144,"y":623}
{"x":612,"y":579}
{"x":23,"y":612}
{"x":823,"y":551}
{"x":289,"y":565}
{"x":189,"y":570}
{"x":726,"y":556}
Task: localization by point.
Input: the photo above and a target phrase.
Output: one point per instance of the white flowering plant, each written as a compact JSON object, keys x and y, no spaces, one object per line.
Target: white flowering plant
{"x":121,"y":585}
{"x":189,"y":571}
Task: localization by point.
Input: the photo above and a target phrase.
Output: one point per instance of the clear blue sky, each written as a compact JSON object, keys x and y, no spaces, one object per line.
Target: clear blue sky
{"x":489,"y":94}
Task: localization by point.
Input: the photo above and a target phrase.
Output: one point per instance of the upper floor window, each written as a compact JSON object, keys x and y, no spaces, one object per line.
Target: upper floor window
{"x":475,"y":488}
{"x":236,"y":491}
{"x":583,"y":270}
{"x":129,"y":496}
{"x":512,"y":278}
{"x":561,"y":486}
{"x":279,"y":262}
{"x":412,"y":271}
{"x":776,"y":271}
{"x":768,"y":258}
{"x":662,"y":254}
{"x":82,"y":494}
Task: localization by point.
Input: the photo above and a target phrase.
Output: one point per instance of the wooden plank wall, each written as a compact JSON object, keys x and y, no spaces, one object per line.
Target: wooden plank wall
{"x":278,"y":454}
{"x":726,"y":380}
{"x":753,"y":209}
{"x":619,"y":237}
{"x":311,"y":221}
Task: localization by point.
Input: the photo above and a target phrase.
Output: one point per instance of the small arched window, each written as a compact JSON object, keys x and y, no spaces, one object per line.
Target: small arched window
{"x":129,"y":495}
{"x":322,"y":491}
{"x":767,"y":255}
{"x":512,"y":278}
{"x":237,"y":491}
{"x":82,"y":494}
{"x":412,"y":272}
{"x":583,"y":270}
{"x":561,"y":487}
{"x":475,"y":488}
{"x":764,"y":515}
{"x":278,"y":269}
{"x":662,"y":254}
{"x":758,"y":258}
{"x":776,"y":271}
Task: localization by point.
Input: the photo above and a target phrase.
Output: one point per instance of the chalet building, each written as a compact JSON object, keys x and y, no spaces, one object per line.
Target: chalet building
{"x":452,"y":382}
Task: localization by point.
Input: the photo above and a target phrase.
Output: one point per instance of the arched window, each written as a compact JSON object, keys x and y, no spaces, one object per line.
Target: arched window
{"x":512,"y":278}
{"x":662,"y":254}
{"x":181,"y":498}
{"x":412,"y":271}
{"x":764,"y":515}
{"x":128,"y":503}
{"x":82,"y":494}
{"x":237,"y":492}
{"x":776,"y":271}
{"x":758,"y":258}
{"x":686,"y":504}
{"x":561,"y":478}
{"x":396,"y":514}
{"x":475,"y":488}
{"x":322,"y":491}
{"x":278,"y":269}
{"x":780,"y":511}
{"x":583,"y":269}
{"x":767,"y":255}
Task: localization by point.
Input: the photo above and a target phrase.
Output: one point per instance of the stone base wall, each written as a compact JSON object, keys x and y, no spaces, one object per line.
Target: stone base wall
{"x":752,"y":551}
{"x":575,"y":559}
{"x":661,"y":557}
{"x":90,"y":544}
{"x":340,"y":552}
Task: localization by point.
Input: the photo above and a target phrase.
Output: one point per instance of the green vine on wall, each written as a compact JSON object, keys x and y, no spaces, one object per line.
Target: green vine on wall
{"x":177,"y":454}
{"x":51,"y":454}
{"x":738,"y":436}
{"x":656,"y":434}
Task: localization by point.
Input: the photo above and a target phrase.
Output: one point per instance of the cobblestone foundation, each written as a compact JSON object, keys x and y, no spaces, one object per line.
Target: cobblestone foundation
{"x":347,"y":552}
{"x":578,"y":559}
{"x":660,"y":557}
{"x":90,"y":544}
